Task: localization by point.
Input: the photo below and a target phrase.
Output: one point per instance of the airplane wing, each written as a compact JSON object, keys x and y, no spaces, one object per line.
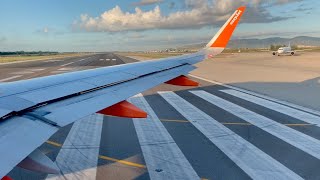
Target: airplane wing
{"x":33,"y":110}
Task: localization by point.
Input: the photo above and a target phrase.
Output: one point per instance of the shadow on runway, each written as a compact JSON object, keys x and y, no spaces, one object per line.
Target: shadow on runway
{"x":305,"y":93}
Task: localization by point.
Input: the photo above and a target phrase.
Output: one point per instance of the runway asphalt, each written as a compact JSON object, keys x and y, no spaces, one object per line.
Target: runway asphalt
{"x":209,"y":132}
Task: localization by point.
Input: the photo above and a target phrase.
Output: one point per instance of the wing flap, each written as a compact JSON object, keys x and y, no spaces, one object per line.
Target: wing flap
{"x":15,"y":103}
{"x":4,"y":112}
{"x":20,"y":136}
{"x":21,"y":95}
{"x":68,"y":111}
{"x":50,"y":93}
{"x":109,"y":78}
{"x":14,"y":88}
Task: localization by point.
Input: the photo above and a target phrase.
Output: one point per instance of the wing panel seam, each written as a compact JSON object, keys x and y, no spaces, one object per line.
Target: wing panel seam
{"x":27,"y":110}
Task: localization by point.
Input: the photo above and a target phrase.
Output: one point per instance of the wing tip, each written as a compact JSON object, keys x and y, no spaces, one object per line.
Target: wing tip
{"x":221,"y":39}
{"x":242,"y":8}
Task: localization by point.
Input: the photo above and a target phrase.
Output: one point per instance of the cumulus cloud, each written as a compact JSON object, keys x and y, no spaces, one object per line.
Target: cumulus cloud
{"x":146,"y":2}
{"x":198,"y":13}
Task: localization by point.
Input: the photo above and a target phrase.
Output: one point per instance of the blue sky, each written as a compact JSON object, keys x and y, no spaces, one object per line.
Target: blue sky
{"x":110,"y":25}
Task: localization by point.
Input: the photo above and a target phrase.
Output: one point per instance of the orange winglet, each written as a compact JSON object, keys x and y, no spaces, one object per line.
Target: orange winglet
{"x":124,"y":109}
{"x":221,"y":39}
{"x":182,"y":81}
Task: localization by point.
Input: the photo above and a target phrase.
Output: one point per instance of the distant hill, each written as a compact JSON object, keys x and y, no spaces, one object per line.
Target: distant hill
{"x":264,"y":43}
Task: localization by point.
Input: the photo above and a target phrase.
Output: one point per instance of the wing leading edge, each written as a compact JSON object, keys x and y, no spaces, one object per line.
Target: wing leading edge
{"x":49,"y":103}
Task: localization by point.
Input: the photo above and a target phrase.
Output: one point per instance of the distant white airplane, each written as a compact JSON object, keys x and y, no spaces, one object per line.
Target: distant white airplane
{"x":287,"y":50}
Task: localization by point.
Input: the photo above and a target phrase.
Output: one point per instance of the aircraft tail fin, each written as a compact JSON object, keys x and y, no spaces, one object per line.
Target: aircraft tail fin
{"x":221,"y":39}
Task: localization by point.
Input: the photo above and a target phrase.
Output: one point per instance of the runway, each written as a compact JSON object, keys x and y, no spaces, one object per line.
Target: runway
{"x":209,"y":132}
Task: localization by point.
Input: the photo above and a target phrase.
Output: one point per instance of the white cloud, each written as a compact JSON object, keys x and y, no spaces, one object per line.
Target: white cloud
{"x":146,"y":2}
{"x":46,"y":30}
{"x":199,"y":13}
{"x":49,"y":31}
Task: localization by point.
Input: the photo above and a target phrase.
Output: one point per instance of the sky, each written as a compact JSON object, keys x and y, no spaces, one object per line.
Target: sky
{"x":134,"y":25}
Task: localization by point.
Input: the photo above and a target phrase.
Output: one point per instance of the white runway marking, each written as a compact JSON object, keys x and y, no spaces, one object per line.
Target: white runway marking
{"x":58,"y":72}
{"x":10,"y":78}
{"x":67,"y":64}
{"x":54,"y":60}
{"x":23,"y":72}
{"x":38,"y":69}
{"x":253,"y":161}
{"x":303,"y":116}
{"x":302,"y":141}
{"x":163,"y":157}
{"x":107,"y":59}
{"x":101,"y":59}
{"x":261,"y":96}
{"x":78,"y":156}
{"x":114,"y":59}
{"x":67,"y":69}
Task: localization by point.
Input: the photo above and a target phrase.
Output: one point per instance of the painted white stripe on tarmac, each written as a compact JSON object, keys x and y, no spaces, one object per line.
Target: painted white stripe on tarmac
{"x":302,"y":141}
{"x":22,"y":72}
{"x":261,"y":96}
{"x":253,"y":161}
{"x":113,"y":59}
{"x":67,"y":64}
{"x":303,"y":116}
{"x":67,"y":69}
{"x":78,"y":156}
{"x":38,"y":69}
{"x":107,"y":59}
{"x":10,"y":78}
{"x":53,"y":61}
{"x":159,"y":150}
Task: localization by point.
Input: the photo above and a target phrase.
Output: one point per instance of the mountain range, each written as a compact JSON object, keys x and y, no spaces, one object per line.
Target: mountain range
{"x":300,"y":41}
